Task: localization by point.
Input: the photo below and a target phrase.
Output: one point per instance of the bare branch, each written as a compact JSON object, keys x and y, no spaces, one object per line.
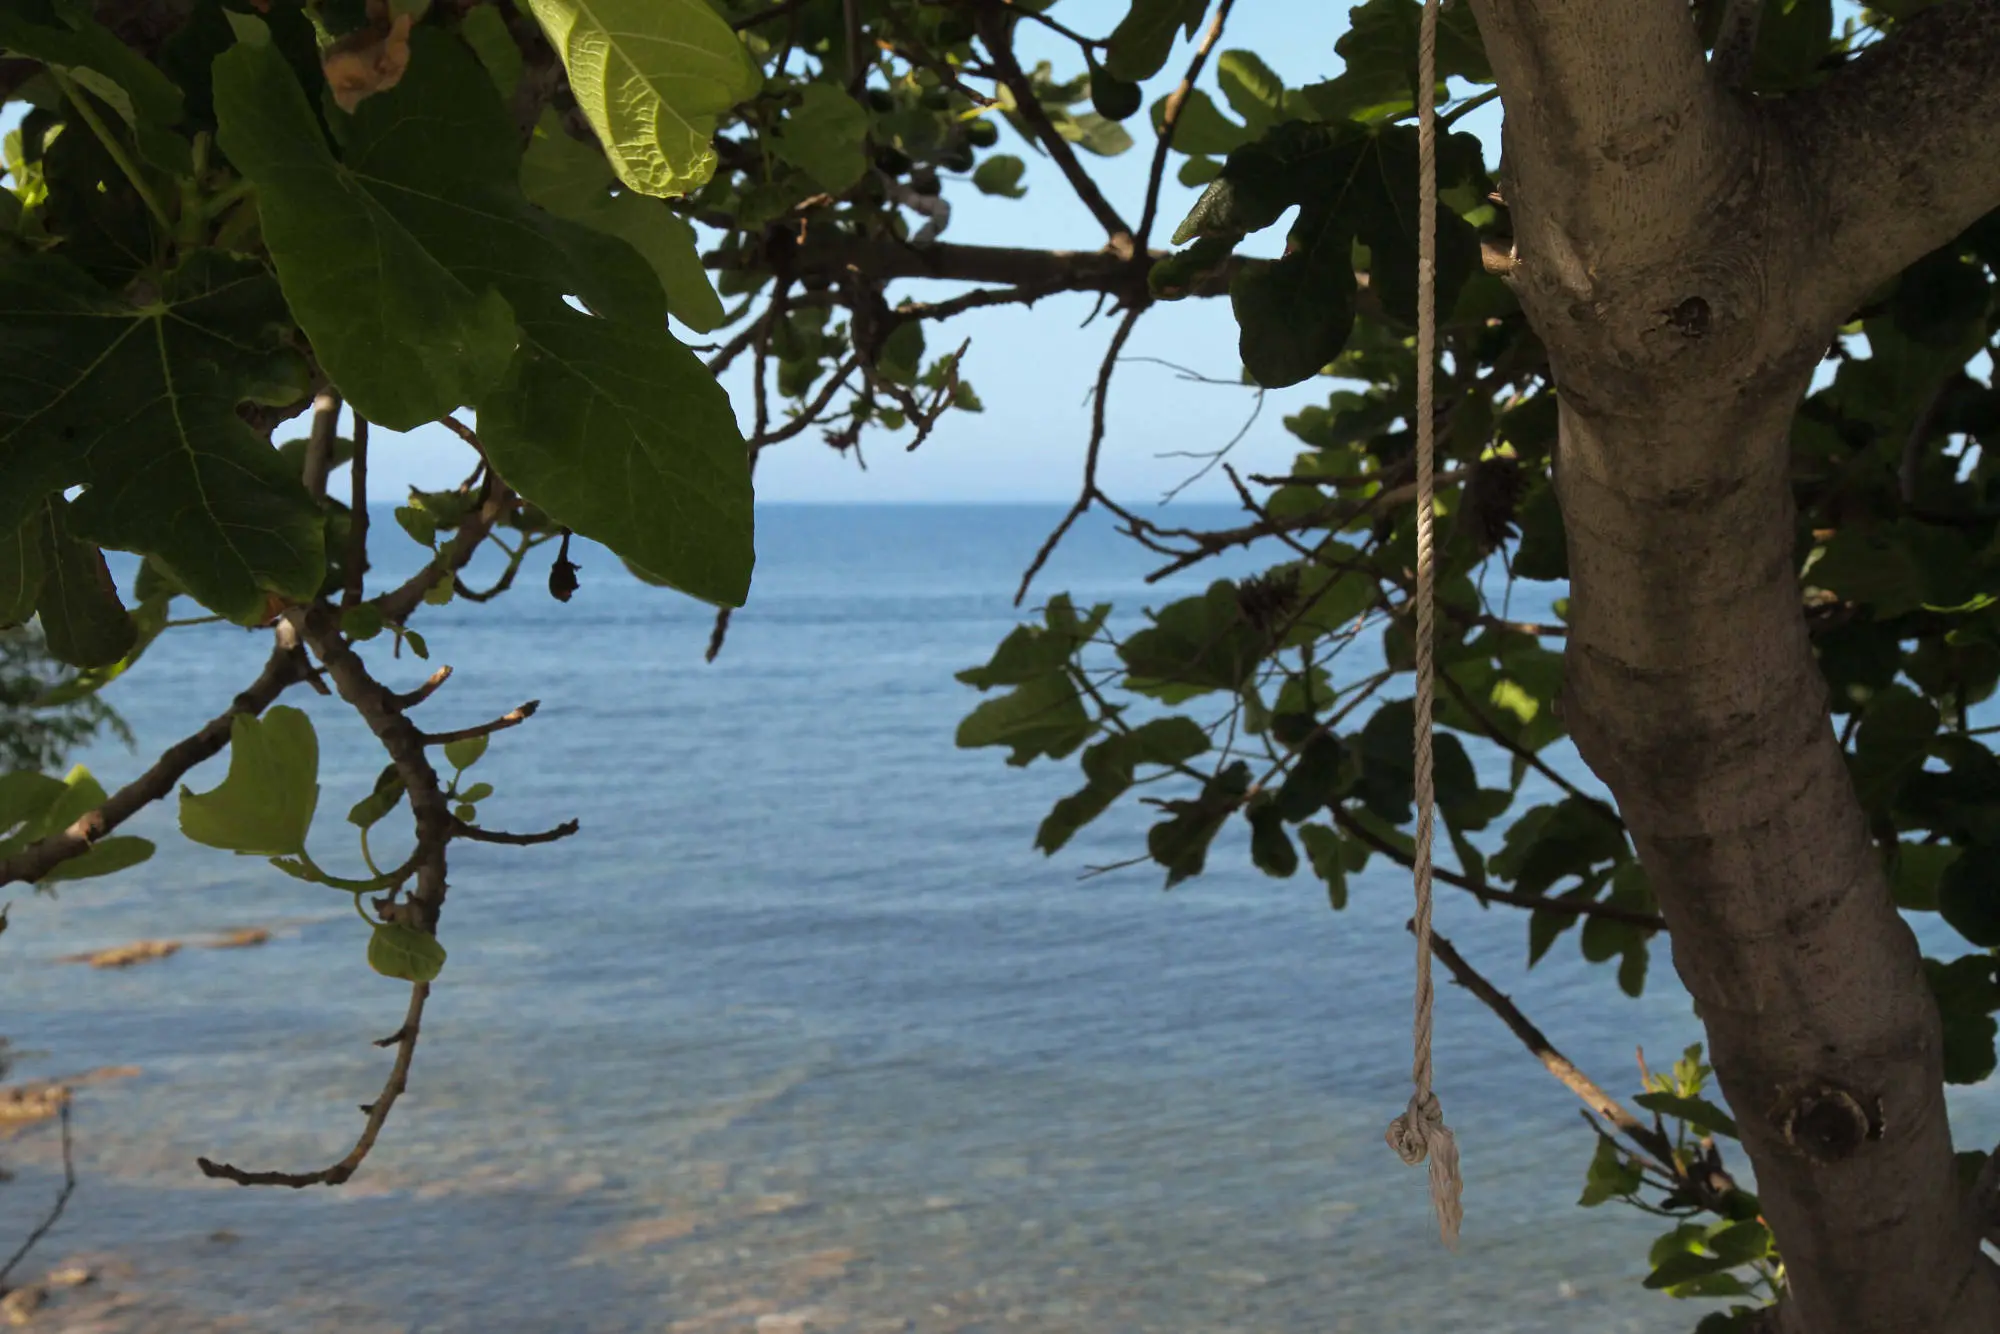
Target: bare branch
{"x":479,"y":835}
{"x":319,"y":442}
{"x":398,"y":603}
{"x":62,"y":1198}
{"x":382,"y":710}
{"x":1334,"y":515}
{"x":828,"y":253}
{"x":1090,"y":491}
{"x":424,"y":691}
{"x":985,"y":296}
{"x":1170,"y":119}
{"x":1575,"y":907}
{"x":404,"y":1040}
{"x":1898,"y":148}
{"x":996,"y":32}
{"x":511,"y":718}
{"x":1571,"y":1078}
{"x":357,"y":518}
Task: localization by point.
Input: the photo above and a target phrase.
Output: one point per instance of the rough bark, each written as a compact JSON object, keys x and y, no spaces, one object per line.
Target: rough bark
{"x":1686,"y":254}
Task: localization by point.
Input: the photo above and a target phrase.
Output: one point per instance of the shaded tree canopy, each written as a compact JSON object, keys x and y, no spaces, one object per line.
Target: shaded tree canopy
{"x":1715,"y":337}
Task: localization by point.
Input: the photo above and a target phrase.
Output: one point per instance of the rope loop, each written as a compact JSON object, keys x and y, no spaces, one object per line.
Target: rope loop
{"x":1420,"y":1133}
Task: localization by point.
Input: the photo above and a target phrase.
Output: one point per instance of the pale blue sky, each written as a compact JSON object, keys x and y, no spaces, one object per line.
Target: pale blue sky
{"x":1033,"y":367}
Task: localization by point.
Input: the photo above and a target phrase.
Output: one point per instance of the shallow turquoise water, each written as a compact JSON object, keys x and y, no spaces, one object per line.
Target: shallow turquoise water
{"x":801,"y":1028}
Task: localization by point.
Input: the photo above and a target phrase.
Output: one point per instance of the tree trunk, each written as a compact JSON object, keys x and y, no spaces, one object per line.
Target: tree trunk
{"x":1687,"y":254}
{"x":1691,"y":689}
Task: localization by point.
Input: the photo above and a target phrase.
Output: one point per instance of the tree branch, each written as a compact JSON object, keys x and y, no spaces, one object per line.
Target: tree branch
{"x":284,"y":668}
{"x":1898,"y":149}
{"x":55,"y":1210}
{"x":1170,"y":118}
{"x":1736,"y":42}
{"x":479,"y":835}
{"x":995,"y":32}
{"x":1613,"y":126}
{"x":511,"y":718}
{"x":1089,"y":491}
{"x":829,"y":253}
{"x":1701,"y":1173}
{"x":1577,"y":907}
{"x":404,"y":1040}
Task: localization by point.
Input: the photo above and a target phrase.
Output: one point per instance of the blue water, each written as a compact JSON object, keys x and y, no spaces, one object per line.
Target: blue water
{"x":801,"y":1029}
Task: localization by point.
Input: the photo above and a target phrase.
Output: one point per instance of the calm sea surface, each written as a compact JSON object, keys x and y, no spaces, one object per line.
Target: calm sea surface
{"x":801,"y":1033}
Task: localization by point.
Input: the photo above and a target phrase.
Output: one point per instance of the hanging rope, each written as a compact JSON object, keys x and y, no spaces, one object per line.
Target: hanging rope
{"x":1420,"y":1132}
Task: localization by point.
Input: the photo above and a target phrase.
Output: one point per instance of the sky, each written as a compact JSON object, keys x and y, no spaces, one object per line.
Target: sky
{"x":1033,"y":368}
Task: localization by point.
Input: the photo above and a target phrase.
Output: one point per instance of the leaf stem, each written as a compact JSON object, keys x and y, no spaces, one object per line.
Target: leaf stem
{"x":1452,"y":117}
{"x":112,"y":146}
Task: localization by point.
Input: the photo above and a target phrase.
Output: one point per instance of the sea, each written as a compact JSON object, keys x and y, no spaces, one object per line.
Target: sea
{"x":801,"y":1033}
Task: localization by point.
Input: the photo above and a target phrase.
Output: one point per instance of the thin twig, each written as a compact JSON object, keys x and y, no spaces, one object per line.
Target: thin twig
{"x":423,"y":692}
{"x":511,"y":718}
{"x":998,"y":37}
{"x":1706,"y":1180}
{"x":472,"y":530}
{"x":319,"y":442}
{"x":404,"y":1040}
{"x":55,"y":1210}
{"x":1465,"y":108}
{"x":1565,"y":1071}
{"x":463,"y":432}
{"x":479,"y":835}
{"x":1090,"y":491}
{"x":762,"y":439}
{"x":1576,"y":907}
{"x":1170,"y":117}
{"x":984,"y":297}
{"x":357,"y":517}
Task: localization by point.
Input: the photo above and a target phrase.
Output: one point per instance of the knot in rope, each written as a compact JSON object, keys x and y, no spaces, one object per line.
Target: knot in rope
{"x":1421,"y":1126}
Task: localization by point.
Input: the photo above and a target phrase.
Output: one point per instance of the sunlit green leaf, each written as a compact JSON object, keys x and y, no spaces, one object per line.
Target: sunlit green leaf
{"x":465,"y":752}
{"x":651,"y":76}
{"x":405,"y":953}
{"x":265,"y":806}
{"x":1698,"y":1112}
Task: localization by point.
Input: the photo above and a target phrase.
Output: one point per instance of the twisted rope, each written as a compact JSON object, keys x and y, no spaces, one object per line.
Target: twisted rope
{"x":1420,"y":1132}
